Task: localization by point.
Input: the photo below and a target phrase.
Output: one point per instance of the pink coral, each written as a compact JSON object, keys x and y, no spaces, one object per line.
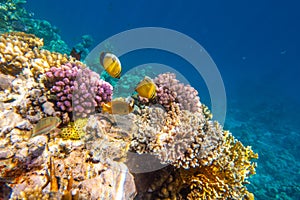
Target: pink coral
{"x":78,"y":89}
{"x":169,"y":89}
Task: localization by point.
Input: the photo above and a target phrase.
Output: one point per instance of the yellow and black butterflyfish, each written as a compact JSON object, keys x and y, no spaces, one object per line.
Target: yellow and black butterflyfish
{"x":146,"y":88}
{"x":111,"y":64}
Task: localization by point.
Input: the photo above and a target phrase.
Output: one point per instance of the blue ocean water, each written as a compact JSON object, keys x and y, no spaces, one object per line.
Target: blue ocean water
{"x":255,"y":45}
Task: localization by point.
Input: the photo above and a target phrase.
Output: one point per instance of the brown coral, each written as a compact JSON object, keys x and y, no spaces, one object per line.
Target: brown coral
{"x":225,"y":178}
{"x":177,"y":137}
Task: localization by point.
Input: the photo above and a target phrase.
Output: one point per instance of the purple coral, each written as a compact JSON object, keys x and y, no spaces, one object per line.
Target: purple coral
{"x":78,"y":89}
{"x":169,"y":89}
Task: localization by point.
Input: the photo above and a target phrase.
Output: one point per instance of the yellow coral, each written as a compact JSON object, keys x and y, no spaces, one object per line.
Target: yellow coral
{"x":33,"y":193}
{"x":226,"y":177}
{"x":74,"y":130}
{"x":19,"y":50}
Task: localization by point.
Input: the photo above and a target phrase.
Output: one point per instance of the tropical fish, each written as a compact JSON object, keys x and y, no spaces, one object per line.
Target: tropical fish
{"x":45,"y":125}
{"x":111,"y":64}
{"x":118,"y":106}
{"x":146,"y":88}
{"x":75,"y":54}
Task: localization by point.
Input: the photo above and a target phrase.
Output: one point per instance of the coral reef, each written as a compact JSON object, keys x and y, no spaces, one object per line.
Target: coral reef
{"x":77,"y":89}
{"x":108,"y":138}
{"x":169,"y":89}
{"x":84,"y":45}
{"x":74,"y":130}
{"x":177,"y":137}
{"x":88,"y":155}
{"x":15,"y":51}
{"x":225,"y":178}
{"x":19,"y":50}
{"x":14,"y":17}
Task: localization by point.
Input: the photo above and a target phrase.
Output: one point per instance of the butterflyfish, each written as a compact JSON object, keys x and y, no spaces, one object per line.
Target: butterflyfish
{"x":111,"y":64}
{"x":45,"y":126}
{"x":118,"y":106}
{"x":146,"y":88}
{"x":75,"y":54}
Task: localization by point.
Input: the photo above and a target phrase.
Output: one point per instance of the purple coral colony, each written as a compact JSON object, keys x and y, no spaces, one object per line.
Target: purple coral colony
{"x":78,"y":90}
{"x":57,"y":143}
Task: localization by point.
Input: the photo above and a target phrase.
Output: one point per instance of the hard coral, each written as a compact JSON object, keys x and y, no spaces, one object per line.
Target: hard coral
{"x":74,"y":130}
{"x":177,"y":137}
{"x":225,"y":178}
{"x":108,"y":137}
{"x":169,"y":89}
{"x":14,"y":51}
{"x":19,"y":50}
{"x":77,"y":89}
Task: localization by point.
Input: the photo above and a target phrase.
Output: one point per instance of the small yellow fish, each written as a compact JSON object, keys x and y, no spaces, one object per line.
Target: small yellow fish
{"x":146,"y":88}
{"x":111,"y":64}
{"x":118,"y":106}
{"x":45,"y":126}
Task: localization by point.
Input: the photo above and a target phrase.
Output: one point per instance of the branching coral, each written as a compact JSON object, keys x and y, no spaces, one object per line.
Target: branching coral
{"x":77,"y":89}
{"x":169,"y":89}
{"x":225,"y":178}
{"x":180,"y":138}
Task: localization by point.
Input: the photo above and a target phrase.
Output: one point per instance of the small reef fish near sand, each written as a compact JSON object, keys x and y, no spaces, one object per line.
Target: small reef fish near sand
{"x":45,"y":125}
{"x":118,"y":106}
{"x":111,"y":64}
{"x":146,"y":88}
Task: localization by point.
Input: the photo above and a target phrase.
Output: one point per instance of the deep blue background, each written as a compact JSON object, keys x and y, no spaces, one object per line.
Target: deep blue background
{"x":255,"y":44}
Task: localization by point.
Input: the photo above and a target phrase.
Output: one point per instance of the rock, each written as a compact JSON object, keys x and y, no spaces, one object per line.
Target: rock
{"x":114,"y":183}
{"x":42,"y":99}
{"x":4,"y":142}
{"x":16,"y":136}
{"x":24,"y":125}
{"x":35,"y":93}
{"x":6,"y":153}
{"x":36,"y":146}
{"x":9,"y":119}
{"x":48,"y":108}
{"x":21,"y":154}
{"x":5,"y":81}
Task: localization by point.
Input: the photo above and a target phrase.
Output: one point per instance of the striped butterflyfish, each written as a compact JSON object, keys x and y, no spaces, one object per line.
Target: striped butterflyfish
{"x":45,"y":125}
{"x":146,"y":88}
{"x":111,"y":64}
